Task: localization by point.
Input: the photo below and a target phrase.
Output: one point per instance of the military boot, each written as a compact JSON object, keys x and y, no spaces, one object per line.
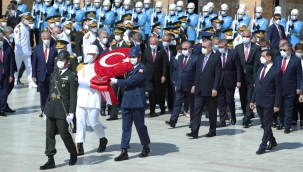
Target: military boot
{"x":122,"y":156}
{"x":49,"y":164}
{"x":102,"y":145}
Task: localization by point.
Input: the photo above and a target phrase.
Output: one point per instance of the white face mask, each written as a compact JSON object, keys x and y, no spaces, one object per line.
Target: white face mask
{"x":179,"y":8}
{"x":52,"y":25}
{"x":47,"y":3}
{"x":26,"y":22}
{"x":258,"y":15}
{"x":46,"y":42}
{"x":165,"y":44}
{"x":223,"y":13}
{"x":262,"y":60}
{"x":138,"y":43}
{"x":11,"y":36}
{"x":246,"y":40}
{"x":264,"y":48}
{"x":190,"y":11}
{"x":159,"y":31}
{"x":31,"y":26}
{"x":106,"y":8}
{"x":133,"y":61}
{"x":176,"y":35}
{"x":283,"y":53}
{"x":278,"y":22}
{"x":67,"y":31}
{"x":76,"y":5}
{"x":117,"y":37}
{"x":185,"y":52}
{"x":57,"y":23}
{"x":97,"y":5}
{"x":59,"y":1}
{"x":104,"y":41}
{"x":205,"y":14}
{"x":146,"y":5}
{"x":90,"y":58}
{"x":85,"y":27}
{"x":4,"y":24}
{"x":179,"y":54}
{"x":138,"y":10}
{"x":218,"y":26}
{"x":173,"y":42}
{"x":300,"y":55}
{"x":67,"y":2}
{"x":1,"y":44}
{"x":293,"y":17}
{"x":126,"y":7}
{"x":60,"y":64}
{"x":158,"y":10}
{"x":87,"y":2}
{"x":153,"y":46}
{"x":38,"y":1}
{"x":95,"y":29}
{"x":204,"y":51}
{"x":222,"y":50}
{"x":240,"y":16}
{"x":117,"y":4}
{"x":172,"y":13}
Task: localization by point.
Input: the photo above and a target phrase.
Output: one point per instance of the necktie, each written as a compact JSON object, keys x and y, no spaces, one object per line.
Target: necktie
{"x":204,"y":63}
{"x":263,"y":74}
{"x":246,"y":53}
{"x":166,"y":49}
{"x":1,"y":59}
{"x":184,"y":63}
{"x":154,"y":55}
{"x":45,"y":53}
{"x":224,"y":60}
{"x":284,"y":65}
{"x":280,"y":32}
{"x":104,"y":47}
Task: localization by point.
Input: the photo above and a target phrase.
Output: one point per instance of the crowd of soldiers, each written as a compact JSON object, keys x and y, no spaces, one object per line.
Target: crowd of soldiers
{"x":167,"y":49}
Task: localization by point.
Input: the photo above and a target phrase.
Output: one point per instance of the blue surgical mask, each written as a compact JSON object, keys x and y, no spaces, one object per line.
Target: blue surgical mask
{"x":216,"y":47}
{"x":184,"y":24}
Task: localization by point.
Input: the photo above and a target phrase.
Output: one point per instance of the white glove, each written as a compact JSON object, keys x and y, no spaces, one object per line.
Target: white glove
{"x":44,"y":116}
{"x":286,"y":33}
{"x":113,"y":81}
{"x":102,"y":15}
{"x":220,"y":18}
{"x":114,"y":9}
{"x":55,"y":5}
{"x":42,"y":11}
{"x":201,"y":20}
{"x":290,"y":23}
{"x":79,"y":58}
{"x":255,"y":22}
{"x":71,"y":11}
{"x":70,"y":118}
{"x":135,"y":15}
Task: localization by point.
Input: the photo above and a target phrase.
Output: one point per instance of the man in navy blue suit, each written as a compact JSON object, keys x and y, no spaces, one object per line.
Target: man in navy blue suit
{"x":291,"y":82}
{"x":43,"y":66}
{"x":267,"y":95}
{"x":230,"y":79}
{"x":6,"y":73}
{"x":206,"y":86}
{"x":185,"y":82}
{"x":275,"y":32}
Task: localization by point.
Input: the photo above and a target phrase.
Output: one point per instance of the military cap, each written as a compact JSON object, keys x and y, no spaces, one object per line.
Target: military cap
{"x":25,"y":15}
{"x":176,"y":24}
{"x":156,"y":25}
{"x":228,"y":32}
{"x":230,"y":43}
{"x":118,"y":30}
{"x":31,"y":20}
{"x":85,"y":20}
{"x":136,"y":29}
{"x":92,"y":23}
{"x":60,"y":44}
{"x":127,"y":16}
{"x":176,"y":30}
{"x":57,"y":18}
{"x":11,"y":7}
{"x":63,"y":55}
{"x":67,"y":24}
{"x":128,"y":25}
{"x":215,"y":19}
{"x":169,"y":30}
{"x":3,"y":18}
{"x":72,"y":20}
{"x":260,"y":33}
{"x":209,"y":30}
{"x":50,"y":19}
{"x":242,"y":27}
{"x":119,"y":23}
{"x":91,"y":14}
{"x":183,"y":19}
{"x":207,"y":35}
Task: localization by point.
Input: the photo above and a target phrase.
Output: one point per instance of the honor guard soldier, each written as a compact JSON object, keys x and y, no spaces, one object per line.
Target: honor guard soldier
{"x":238,"y":40}
{"x":60,"y":110}
{"x":88,"y":102}
{"x":108,"y":17}
{"x":66,"y":35}
{"x":245,"y":17}
{"x":59,"y":6}
{"x":36,"y":13}
{"x":91,"y":15}
{"x":259,"y":23}
{"x":211,"y":7}
{"x":48,"y":10}
{"x":295,"y":26}
{"x":179,"y":9}
{"x":158,"y":16}
{"x":78,"y":14}
{"x":87,"y":6}
{"x":68,"y":9}
{"x":117,"y":9}
{"x":140,"y":19}
{"x":98,"y":8}
{"x":21,"y":7}
{"x":278,"y":10}
{"x":126,"y":6}
{"x":226,"y":20}
{"x":79,"y":39}
{"x":172,"y":14}
{"x":90,"y":36}
{"x":133,"y":111}
{"x":192,"y":20}
{"x":149,"y":12}
{"x":240,"y":22}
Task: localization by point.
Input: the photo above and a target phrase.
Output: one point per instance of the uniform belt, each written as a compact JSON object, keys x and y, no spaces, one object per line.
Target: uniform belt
{"x":142,"y":27}
{"x":191,"y":27}
{"x":56,"y":96}
{"x":293,"y":33}
{"x":72,"y":42}
{"x":106,"y":25}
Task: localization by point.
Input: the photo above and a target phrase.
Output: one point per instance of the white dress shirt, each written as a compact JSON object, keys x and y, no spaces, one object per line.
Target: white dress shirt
{"x":267,"y":69}
{"x":287,"y":60}
{"x":226,"y":52}
{"x":46,"y":58}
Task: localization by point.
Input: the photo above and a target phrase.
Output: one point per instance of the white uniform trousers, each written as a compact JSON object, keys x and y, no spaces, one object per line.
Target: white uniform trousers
{"x":28,"y":66}
{"x":93,"y":116}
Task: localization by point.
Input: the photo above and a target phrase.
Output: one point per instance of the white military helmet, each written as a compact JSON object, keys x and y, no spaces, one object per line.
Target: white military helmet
{"x":191,"y":5}
{"x":127,"y":2}
{"x":241,"y":11}
{"x":205,"y":8}
{"x":106,"y":2}
{"x":118,"y":1}
{"x":278,"y":8}
{"x":139,"y":4}
{"x":76,"y":1}
{"x":211,"y":5}
{"x":172,"y":7}
{"x":242,"y":6}
{"x":159,"y":4}
{"x":224,"y":7}
{"x":92,"y":49}
{"x":97,"y":1}
{"x":180,"y":3}
{"x":47,"y":0}
{"x":146,"y":1}
{"x":294,"y":12}
{"x":278,"y":12}
{"x":259,"y":10}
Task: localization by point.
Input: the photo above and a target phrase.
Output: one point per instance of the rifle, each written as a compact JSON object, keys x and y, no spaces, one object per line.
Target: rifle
{"x":40,"y":18}
{"x":62,"y":12}
{"x":236,"y":20}
{"x":72,"y":9}
{"x":185,"y":12}
{"x":152,"y":16}
{"x":253,"y":20}
{"x":33,"y":10}
{"x":166,"y":16}
{"x":287,"y":23}
{"x":219,"y":12}
{"x":99,"y":20}
{"x":198,"y":29}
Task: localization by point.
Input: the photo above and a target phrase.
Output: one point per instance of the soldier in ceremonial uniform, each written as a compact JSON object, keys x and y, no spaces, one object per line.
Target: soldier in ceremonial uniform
{"x":73,"y":62}
{"x":78,"y":14}
{"x":68,"y":9}
{"x":238,"y":40}
{"x":59,"y":6}
{"x":60,"y":110}
{"x":295,"y":26}
{"x":21,"y":7}
{"x":179,"y":8}
{"x":211,"y":7}
{"x":259,"y":23}
{"x":205,"y":21}
{"x":48,"y":10}
{"x":140,"y":19}
{"x":192,"y":20}
{"x":88,"y":103}
{"x":87,"y":6}
{"x":37,"y":15}
{"x":126,"y":6}
{"x":117,"y":9}
{"x":66,"y":35}
{"x":245,"y":17}
{"x":159,"y":16}
{"x":133,"y":111}
{"x":90,"y":36}
{"x":98,"y":8}
{"x":149,"y":12}
{"x":108,"y":17}
{"x":91,"y":15}
{"x":226,"y":20}
{"x":240,"y":22}
{"x":173,"y":17}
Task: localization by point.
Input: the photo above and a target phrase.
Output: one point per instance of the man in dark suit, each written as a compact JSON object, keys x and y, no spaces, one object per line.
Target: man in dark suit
{"x":275,"y":32}
{"x":185,"y":82}
{"x":154,"y":58}
{"x":6,"y":76}
{"x":12,"y":13}
{"x":249,"y":54}
{"x":264,"y":44}
{"x":137,"y":40}
{"x":267,"y":95}
{"x":230,"y":79}
{"x":291,"y":82}
{"x":206,"y":86}
{"x":43,"y":66}
{"x":170,"y":52}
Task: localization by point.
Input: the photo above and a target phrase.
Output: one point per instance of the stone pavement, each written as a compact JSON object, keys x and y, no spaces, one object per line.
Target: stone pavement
{"x":22,"y":145}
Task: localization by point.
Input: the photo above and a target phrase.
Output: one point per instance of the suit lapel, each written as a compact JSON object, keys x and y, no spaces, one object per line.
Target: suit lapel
{"x":268,"y":73}
{"x":252,"y":49}
{"x":188,"y":62}
{"x":290,"y":62}
{"x":228,"y":58}
{"x":209,"y":61}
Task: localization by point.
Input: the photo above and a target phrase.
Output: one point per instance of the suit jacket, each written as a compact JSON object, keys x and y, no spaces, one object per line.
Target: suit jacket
{"x":173,"y":71}
{"x":6,"y":44}
{"x":100,"y":48}
{"x":273,"y":35}
{"x":124,"y":45}
{"x":268,"y":93}
{"x":292,"y":75}
{"x":79,"y":42}
{"x":250,"y":67}
{"x":172,"y":52}
{"x":13,"y":21}
{"x":39,"y":66}
{"x":7,"y":65}
{"x":208,"y":79}
{"x":186,"y":77}
{"x":231,"y":73}
{"x":158,"y":68}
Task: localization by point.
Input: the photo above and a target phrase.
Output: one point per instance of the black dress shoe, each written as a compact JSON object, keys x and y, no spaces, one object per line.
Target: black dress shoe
{"x":206,"y":115}
{"x":287,"y":130}
{"x":19,"y":82}
{"x":41,"y":115}
{"x":73,"y":159}
{"x":280,"y":126}
{"x":112,"y":118}
{"x":80,"y":149}
{"x":9,"y":110}
{"x":221,"y":124}
{"x":153,"y":114}
{"x":233,"y":121}
{"x":162,"y":112}
{"x":171,"y":124}
{"x":245,"y":125}
{"x":122,"y":156}
{"x":261,"y":151}
{"x":49,"y":164}
{"x":3,"y":114}
{"x":145,"y":152}
{"x":210,"y":134}
{"x":102,"y":145}
{"x":102,"y":112}
{"x":194,"y":135}
{"x":271,"y":145}
{"x":274,"y":123}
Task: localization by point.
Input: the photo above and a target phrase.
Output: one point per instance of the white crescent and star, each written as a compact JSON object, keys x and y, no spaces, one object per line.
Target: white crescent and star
{"x":104,"y":58}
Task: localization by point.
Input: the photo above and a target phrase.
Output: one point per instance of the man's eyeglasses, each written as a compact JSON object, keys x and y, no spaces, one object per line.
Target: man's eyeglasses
{"x":282,"y":50}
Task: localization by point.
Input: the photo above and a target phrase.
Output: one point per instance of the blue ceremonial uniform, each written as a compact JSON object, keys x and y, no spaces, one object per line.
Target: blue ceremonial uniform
{"x":88,"y":8}
{"x":141,"y":22}
{"x":22,"y":8}
{"x":67,"y":10}
{"x":246,"y":19}
{"x":148,"y":12}
{"x":193,"y":20}
{"x":173,"y":18}
{"x":180,"y":14}
{"x":160,"y":17}
{"x":36,"y":14}
{"x":213,"y":15}
{"x":262,"y":24}
{"x":205,"y":24}
{"x":226,"y":23}
{"x":129,"y":11}
{"x":49,"y":11}
{"x":60,"y":8}
{"x":98,"y":12}
{"x":295,"y":32}
{"x":133,"y":111}
{"x":79,"y":14}
{"x":108,"y":21}
{"x":118,"y":13}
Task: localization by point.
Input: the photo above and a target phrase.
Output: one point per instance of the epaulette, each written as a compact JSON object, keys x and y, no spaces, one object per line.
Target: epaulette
{"x":196,"y":42}
{"x":113,"y":42}
{"x":238,"y":38}
{"x":79,"y":67}
{"x":83,"y":31}
{"x":128,"y":43}
{"x":80,"y":30}
{"x":160,"y":39}
{"x":72,"y":57}
{"x":87,"y":36}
